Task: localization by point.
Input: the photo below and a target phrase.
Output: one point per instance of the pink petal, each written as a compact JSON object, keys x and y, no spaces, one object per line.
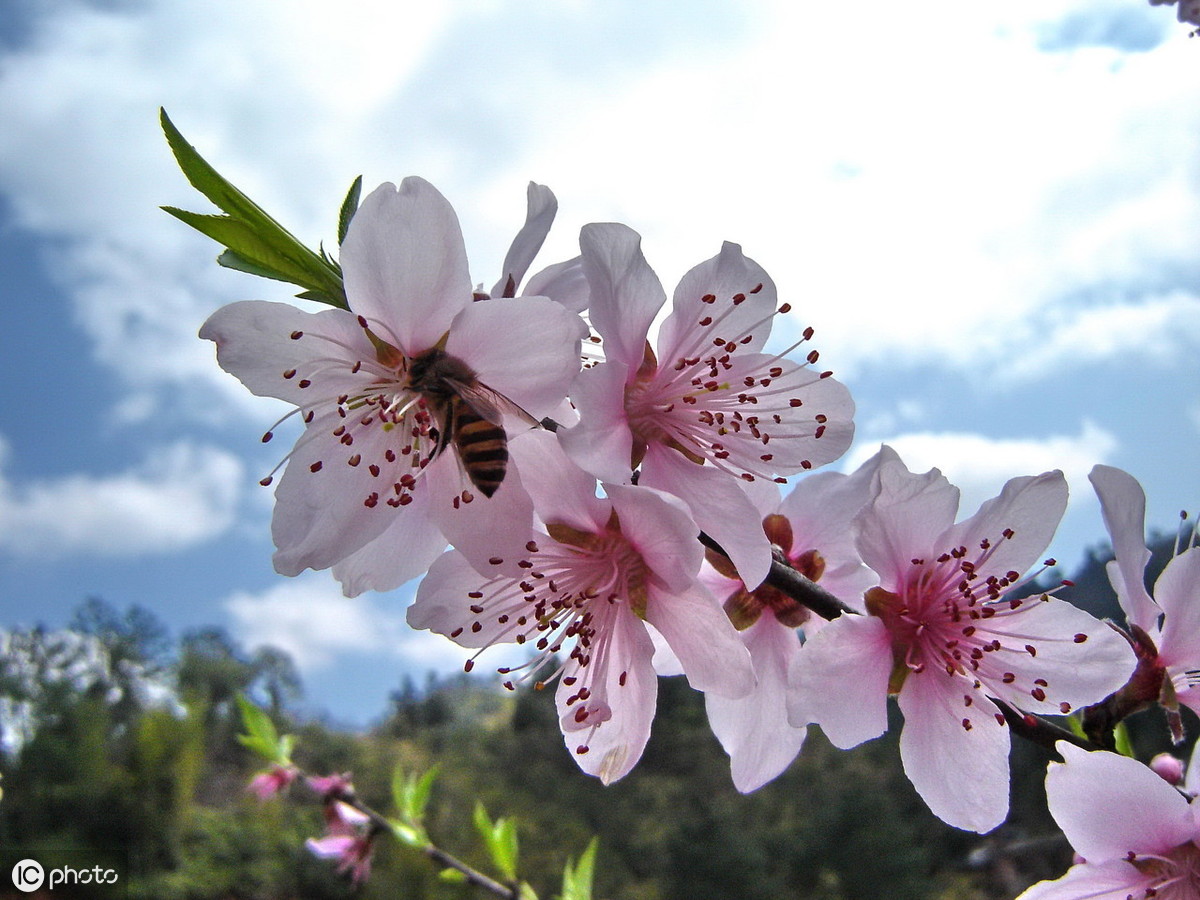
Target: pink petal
{"x":727,"y":274}
{"x":625,"y":292}
{"x":442,"y":604}
{"x":754,"y":729}
{"x":1076,"y":659}
{"x":321,"y":515}
{"x":379,"y":565}
{"x":906,"y":515}
{"x":1086,"y":790}
{"x":563,"y":283}
{"x":405,"y":265}
{"x":602,"y":442}
{"x":1177,"y":592}
{"x":1123,"y":505}
{"x":486,"y":529}
{"x":839,"y":680}
{"x":719,"y":506}
{"x":630,"y":688}
{"x":704,"y":640}
{"x":1112,"y":880}
{"x":254,"y":343}
{"x":526,"y":348}
{"x":658,"y":526}
{"x":1031,"y":507}
{"x":955,"y":750}
{"x":562,"y":493}
{"x":541,"y":207}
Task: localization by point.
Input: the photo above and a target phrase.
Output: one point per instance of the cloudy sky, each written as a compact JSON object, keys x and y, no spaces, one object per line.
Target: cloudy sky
{"x":988,"y":212}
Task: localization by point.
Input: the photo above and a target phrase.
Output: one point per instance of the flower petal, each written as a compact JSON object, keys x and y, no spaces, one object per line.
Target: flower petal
{"x":601,"y":442}
{"x":1054,"y":651}
{"x":719,"y":506}
{"x":630,"y":689}
{"x":322,"y":509}
{"x":704,"y":641}
{"x":255,"y":344}
{"x":563,"y":283}
{"x":1111,"y":880}
{"x":404,"y":551}
{"x":726,"y":275}
{"x":625,"y":292}
{"x":541,"y":207}
{"x":526,"y":348}
{"x":1029,"y":508}
{"x":1123,"y":505}
{"x":1177,"y":592}
{"x":562,"y":493}
{"x":906,"y":515}
{"x":658,"y":526}
{"x":954,"y":748}
{"x":754,"y":729}
{"x":405,"y":265}
{"x":839,"y":680}
{"x":1085,"y":790}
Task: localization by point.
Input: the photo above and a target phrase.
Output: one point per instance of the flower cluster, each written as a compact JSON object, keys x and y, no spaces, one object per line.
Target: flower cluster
{"x":575,"y":467}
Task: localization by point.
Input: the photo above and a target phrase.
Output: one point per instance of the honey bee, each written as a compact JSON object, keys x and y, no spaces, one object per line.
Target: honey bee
{"x":469,"y":415}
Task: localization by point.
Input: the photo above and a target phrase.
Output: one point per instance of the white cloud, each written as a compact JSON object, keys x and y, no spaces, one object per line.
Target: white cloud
{"x":310,"y":619}
{"x":917,"y":193}
{"x":1162,"y":331}
{"x":180,"y":496}
{"x":980,"y":465}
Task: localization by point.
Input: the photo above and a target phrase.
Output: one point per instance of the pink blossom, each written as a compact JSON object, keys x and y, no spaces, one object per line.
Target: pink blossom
{"x":1171,"y":616}
{"x":1137,"y":835}
{"x":331,"y":787}
{"x":945,"y":635}
{"x":563,"y":282}
{"x":810,"y":529}
{"x":366,"y":476}
{"x":595,"y":578}
{"x":271,"y":782}
{"x":348,"y":839}
{"x":707,"y":410}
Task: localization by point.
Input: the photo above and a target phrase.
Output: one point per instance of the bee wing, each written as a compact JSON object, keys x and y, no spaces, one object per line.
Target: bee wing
{"x":490,"y":404}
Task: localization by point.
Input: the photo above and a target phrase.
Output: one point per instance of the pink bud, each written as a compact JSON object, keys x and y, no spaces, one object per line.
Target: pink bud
{"x":1168,"y":768}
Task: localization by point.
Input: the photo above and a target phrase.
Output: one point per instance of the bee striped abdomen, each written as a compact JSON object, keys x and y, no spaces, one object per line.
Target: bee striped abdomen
{"x":482,"y":447}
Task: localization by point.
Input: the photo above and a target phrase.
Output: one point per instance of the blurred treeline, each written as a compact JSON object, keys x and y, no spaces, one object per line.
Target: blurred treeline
{"x":121,"y":751}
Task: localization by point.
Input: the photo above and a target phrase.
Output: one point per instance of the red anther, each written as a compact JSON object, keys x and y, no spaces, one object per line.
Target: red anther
{"x":813,"y":356}
{"x":1080,"y":638}
{"x":315,"y":467}
{"x":296,"y":335}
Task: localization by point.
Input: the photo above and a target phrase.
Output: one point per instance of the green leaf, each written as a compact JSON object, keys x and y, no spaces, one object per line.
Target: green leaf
{"x":504,"y":847}
{"x":453,"y":876}
{"x":408,"y":835}
{"x":261,"y":736}
{"x":256,"y":239}
{"x":483,"y":824}
{"x":526,"y":892}
{"x":1121,"y":739}
{"x":411,"y":794}
{"x":349,"y":208}
{"x":577,"y":879}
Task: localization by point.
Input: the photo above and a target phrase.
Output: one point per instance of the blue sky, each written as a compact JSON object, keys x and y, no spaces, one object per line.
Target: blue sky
{"x":988,"y":212}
